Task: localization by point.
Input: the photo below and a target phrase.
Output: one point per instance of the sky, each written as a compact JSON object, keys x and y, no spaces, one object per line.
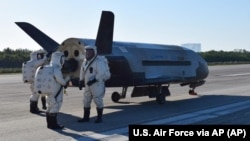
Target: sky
{"x":215,"y":24}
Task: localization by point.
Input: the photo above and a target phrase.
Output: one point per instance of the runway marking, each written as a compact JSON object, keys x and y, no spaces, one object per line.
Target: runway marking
{"x":238,"y":74}
{"x":121,"y":134}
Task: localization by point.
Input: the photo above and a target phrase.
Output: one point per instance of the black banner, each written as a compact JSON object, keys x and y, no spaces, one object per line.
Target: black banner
{"x":163,"y":132}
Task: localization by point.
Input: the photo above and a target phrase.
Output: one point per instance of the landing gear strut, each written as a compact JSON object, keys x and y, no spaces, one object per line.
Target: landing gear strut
{"x":116,"y":96}
{"x":160,"y":97}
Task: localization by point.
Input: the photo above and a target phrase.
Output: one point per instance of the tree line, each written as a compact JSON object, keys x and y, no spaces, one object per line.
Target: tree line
{"x":236,"y":56}
{"x":12,"y":60}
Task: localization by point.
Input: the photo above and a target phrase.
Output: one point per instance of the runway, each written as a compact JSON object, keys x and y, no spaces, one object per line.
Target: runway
{"x":223,"y":99}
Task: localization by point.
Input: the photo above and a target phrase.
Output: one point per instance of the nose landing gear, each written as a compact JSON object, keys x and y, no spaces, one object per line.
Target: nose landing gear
{"x":192,"y":92}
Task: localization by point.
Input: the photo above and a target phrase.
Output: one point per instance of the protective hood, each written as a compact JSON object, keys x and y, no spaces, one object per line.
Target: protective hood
{"x":57,"y":59}
{"x":34,"y":54}
{"x":93,"y":48}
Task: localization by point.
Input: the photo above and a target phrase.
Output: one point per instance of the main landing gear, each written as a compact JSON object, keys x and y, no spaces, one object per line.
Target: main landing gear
{"x":116,"y":96}
{"x":161,"y":93}
{"x":157,"y":91}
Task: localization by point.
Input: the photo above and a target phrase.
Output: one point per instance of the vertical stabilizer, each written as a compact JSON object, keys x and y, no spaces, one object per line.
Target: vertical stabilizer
{"x":104,"y":37}
{"x":42,"y":39}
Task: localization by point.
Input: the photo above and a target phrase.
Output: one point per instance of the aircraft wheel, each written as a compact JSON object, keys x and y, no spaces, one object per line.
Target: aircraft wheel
{"x":115,"y":96}
{"x":160,"y":98}
{"x":192,"y":92}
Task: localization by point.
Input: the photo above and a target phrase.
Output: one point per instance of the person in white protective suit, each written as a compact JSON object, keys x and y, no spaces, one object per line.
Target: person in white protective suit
{"x":94,"y":72}
{"x":37,"y":58}
{"x":55,"y":98}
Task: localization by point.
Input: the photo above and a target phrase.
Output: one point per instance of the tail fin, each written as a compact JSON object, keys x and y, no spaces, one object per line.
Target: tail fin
{"x":104,"y":37}
{"x":42,"y":39}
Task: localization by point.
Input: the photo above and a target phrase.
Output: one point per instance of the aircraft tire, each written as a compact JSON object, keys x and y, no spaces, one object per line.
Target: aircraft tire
{"x":115,"y":96}
{"x":160,"y":98}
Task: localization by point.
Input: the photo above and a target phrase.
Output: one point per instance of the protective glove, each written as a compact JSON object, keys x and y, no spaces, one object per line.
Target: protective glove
{"x":67,"y":78}
{"x":66,"y":86}
{"x":92,"y":81}
{"x":80,"y":85}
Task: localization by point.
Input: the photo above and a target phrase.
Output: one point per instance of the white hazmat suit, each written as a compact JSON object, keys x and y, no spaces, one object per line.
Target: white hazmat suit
{"x":55,"y":94}
{"x":94,"y":72}
{"x":37,"y":58}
